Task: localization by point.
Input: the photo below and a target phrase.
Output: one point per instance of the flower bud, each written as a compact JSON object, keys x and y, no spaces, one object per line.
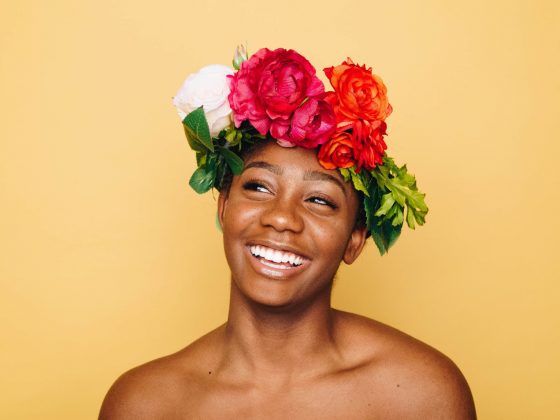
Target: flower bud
{"x":239,"y":57}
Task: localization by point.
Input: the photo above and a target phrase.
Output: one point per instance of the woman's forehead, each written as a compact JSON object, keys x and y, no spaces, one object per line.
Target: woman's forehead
{"x":288,"y":159}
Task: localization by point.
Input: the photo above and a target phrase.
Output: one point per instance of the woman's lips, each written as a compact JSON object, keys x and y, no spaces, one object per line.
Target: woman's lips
{"x":274,"y":262}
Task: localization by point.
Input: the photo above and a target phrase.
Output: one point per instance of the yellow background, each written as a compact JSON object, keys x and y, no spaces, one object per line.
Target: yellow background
{"x":108,"y":259}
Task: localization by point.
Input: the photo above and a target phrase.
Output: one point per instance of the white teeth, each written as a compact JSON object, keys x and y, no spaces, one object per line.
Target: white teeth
{"x":269,"y":254}
{"x":276,"y":256}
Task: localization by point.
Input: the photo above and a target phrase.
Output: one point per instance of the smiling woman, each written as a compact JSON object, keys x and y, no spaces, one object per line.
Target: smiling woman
{"x":303,"y":181}
{"x":284,"y":206}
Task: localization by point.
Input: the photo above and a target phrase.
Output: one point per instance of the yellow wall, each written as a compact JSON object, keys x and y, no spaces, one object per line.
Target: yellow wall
{"x":108,"y":259}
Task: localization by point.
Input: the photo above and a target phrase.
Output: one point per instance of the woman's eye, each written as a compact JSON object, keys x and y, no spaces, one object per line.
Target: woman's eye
{"x":322,"y":201}
{"x":255,"y":186}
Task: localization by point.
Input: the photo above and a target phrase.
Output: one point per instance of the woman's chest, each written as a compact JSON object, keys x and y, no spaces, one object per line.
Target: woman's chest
{"x":348,"y":399}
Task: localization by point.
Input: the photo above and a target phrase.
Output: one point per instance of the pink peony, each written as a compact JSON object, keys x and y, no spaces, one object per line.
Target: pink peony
{"x":312,"y":124}
{"x":243,"y":98}
{"x":269,"y":87}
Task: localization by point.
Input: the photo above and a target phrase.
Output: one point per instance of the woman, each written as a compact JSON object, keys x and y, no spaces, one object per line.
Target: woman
{"x":289,"y":219}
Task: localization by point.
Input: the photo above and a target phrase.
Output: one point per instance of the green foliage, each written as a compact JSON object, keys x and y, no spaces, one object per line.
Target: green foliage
{"x":203,"y":178}
{"x":215,"y":157}
{"x":359,"y":180}
{"x":239,"y":57}
{"x":392,"y":190}
{"x":383,"y":233}
{"x":233,"y":136}
{"x":197,"y":130}
{"x":345,"y":173}
{"x":402,"y":186}
{"x":234,"y":162}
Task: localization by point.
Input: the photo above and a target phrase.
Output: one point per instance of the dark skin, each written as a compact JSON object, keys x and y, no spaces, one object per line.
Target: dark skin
{"x":284,"y":353}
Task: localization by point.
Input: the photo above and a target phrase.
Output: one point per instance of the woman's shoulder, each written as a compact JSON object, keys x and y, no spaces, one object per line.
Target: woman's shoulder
{"x":411,"y":374}
{"x":157,"y":388}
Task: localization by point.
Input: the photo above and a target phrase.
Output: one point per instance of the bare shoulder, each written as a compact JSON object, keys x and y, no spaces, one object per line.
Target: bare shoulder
{"x":414,"y":378}
{"x":157,"y":389}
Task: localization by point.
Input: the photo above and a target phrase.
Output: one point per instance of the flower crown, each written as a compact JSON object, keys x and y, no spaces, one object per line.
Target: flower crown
{"x":277,"y":95}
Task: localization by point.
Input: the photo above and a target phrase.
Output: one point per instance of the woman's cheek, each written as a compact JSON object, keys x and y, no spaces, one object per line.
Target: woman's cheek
{"x":243,"y":214}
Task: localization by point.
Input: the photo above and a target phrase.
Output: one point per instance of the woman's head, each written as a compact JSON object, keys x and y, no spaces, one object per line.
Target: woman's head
{"x":287,"y":225}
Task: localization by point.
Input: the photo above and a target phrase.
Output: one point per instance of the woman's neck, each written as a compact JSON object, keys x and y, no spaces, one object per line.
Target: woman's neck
{"x":287,"y":342}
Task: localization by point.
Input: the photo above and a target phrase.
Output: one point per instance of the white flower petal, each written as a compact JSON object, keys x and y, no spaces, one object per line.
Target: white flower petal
{"x":207,"y":88}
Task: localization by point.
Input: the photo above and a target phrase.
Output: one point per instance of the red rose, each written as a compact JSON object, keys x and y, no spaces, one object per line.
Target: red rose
{"x":270,"y":86}
{"x":338,"y":152}
{"x":360,"y":95}
{"x":369,"y":144}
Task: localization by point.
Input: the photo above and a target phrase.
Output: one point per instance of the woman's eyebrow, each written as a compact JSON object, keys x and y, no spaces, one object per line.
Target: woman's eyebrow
{"x":322,"y":176}
{"x":277,"y":170}
{"x":308,"y":176}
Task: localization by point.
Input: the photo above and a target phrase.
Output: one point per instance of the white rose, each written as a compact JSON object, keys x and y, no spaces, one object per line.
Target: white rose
{"x":208,"y":88}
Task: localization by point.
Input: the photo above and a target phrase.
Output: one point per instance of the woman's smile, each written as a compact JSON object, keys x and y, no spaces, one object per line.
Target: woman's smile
{"x":276,"y":263}
{"x":280,"y":258}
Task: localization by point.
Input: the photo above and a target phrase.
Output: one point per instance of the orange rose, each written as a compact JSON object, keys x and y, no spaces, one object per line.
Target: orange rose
{"x":338,"y":152}
{"x":360,"y":94}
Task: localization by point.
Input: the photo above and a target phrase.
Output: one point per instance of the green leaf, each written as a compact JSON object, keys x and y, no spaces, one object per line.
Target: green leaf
{"x":416,"y":200}
{"x":391,"y":213}
{"x":379,"y":239}
{"x":357,"y":181}
{"x":398,"y":195}
{"x":220,"y":172}
{"x":194,"y":143}
{"x":378,"y":235}
{"x":393,"y":191}
{"x":233,"y":161}
{"x":399,"y":218}
{"x":200,"y":158}
{"x":410,"y":218}
{"x":202,"y":179}
{"x":370,"y":204}
{"x":392,"y":233}
{"x":230,"y":135}
{"x":197,"y":128}
{"x":345,"y":173}
{"x":402,"y":186}
{"x":385,"y":236}
{"x":415,"y":215}
{"x":386,"y":203}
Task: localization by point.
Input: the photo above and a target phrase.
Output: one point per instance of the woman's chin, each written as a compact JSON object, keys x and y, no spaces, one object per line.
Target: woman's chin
{"x":271,"y":295}
{"x":277,"y":295}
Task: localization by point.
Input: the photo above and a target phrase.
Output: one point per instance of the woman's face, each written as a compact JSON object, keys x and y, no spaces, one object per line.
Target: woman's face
{"x":287,"y":224}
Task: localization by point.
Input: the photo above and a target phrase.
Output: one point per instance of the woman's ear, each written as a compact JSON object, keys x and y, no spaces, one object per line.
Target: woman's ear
{"x":355,"y":245}
{"x":222,"y":204}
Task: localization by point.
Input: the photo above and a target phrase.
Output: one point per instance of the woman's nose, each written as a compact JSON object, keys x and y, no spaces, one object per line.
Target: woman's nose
{"x":283,"y":214}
